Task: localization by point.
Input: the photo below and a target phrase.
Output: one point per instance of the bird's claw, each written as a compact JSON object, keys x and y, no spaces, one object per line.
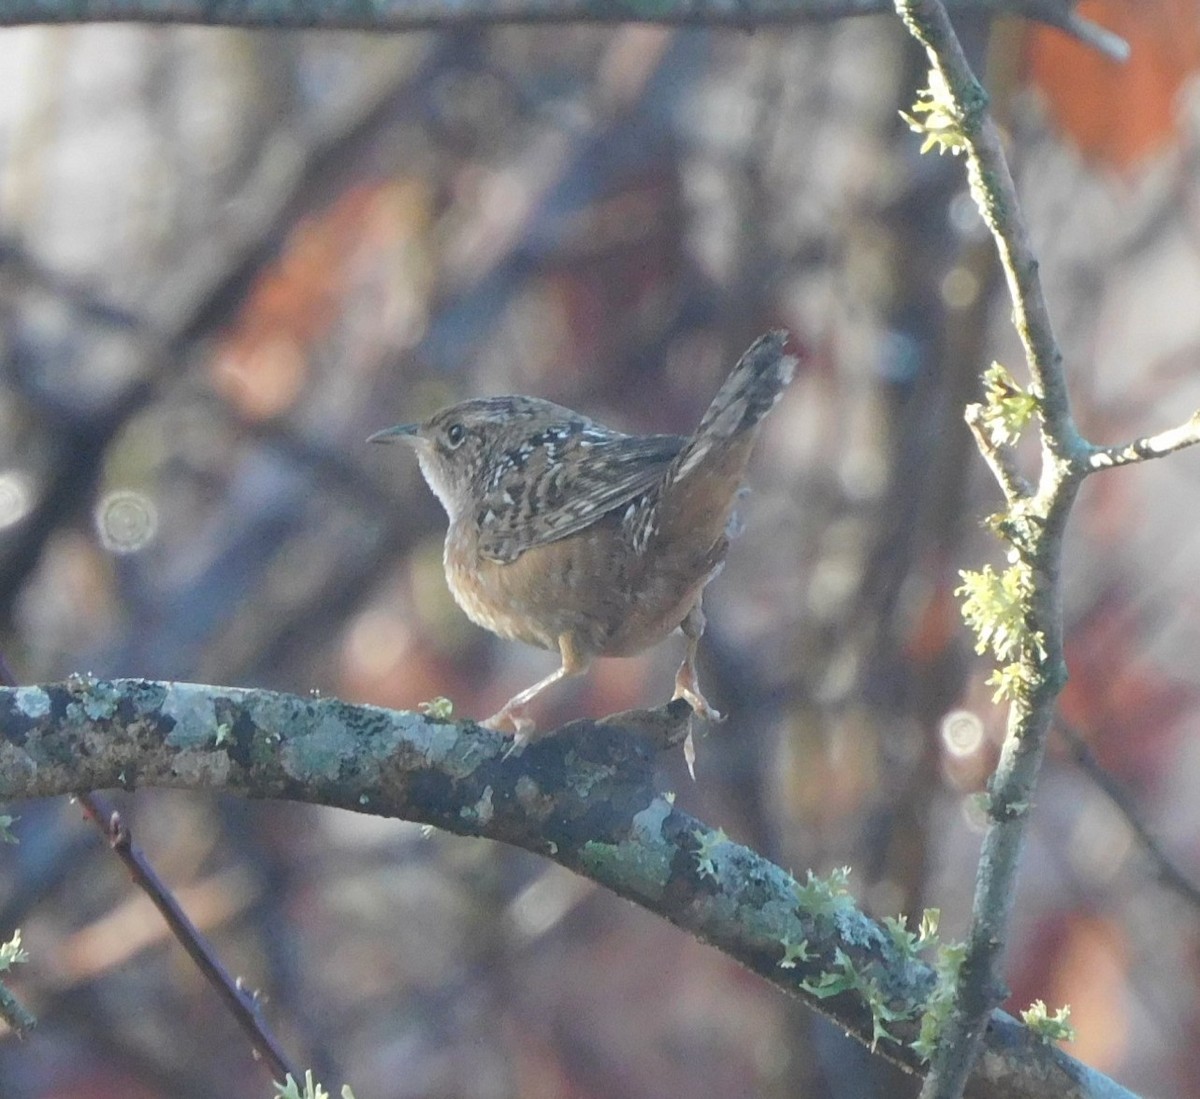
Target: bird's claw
{"x":687,"y":689}
{"x":512,"y":720}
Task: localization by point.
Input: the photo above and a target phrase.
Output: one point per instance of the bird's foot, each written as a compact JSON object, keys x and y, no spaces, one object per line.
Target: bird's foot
{"x":512,"y":719}
{"x":687,"y":688}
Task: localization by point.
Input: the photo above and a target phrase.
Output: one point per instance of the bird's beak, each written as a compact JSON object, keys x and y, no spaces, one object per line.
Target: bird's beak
{"x":401,"y":432}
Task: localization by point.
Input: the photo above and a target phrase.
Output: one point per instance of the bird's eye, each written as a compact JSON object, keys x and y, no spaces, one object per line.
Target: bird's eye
{"x":455,"y":434}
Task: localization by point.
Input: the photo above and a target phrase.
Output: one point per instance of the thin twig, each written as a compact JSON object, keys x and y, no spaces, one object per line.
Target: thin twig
{"x":1113,"y":46}
{"x":1168,"y":873}
{"x":1036,"y":671}
{"x":1000,"y":459}
{"x":241,"y":1003}
{"x":1147,"y":447}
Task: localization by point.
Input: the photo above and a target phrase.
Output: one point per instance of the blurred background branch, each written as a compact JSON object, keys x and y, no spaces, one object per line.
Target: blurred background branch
{"x":1165,"y":869}
{"x":410,"y":15}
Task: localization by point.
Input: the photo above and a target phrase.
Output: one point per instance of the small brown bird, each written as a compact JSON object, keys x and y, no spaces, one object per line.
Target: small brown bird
{"x":573,"y":537}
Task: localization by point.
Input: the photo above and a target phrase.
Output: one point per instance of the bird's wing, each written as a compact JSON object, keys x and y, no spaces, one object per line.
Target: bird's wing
{"x":566,"y":483}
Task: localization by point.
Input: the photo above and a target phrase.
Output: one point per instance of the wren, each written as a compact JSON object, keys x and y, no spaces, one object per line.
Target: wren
{"x":576,"y":538}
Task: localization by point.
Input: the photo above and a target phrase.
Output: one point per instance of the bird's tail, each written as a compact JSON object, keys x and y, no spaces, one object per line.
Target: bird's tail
{"x":699,"y":490}
{"x":752,"y":389}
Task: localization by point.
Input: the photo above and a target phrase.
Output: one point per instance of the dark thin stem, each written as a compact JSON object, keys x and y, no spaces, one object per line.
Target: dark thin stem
{"x":409,"y":15}
{"x":241,"y":1004}
{"x":1168,"y":873}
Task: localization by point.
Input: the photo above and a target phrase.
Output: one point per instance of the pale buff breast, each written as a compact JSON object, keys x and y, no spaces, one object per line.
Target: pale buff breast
{"x":610,"y":602}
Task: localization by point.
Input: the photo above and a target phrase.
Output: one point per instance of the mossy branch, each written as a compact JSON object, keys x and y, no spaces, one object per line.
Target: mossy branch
{"x":584,"y":797}
{"x":1016,"y":614}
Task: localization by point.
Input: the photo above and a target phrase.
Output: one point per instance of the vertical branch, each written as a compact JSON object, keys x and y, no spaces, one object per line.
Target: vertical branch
{"x":995,"y":195}
{"x":1034,"y":526}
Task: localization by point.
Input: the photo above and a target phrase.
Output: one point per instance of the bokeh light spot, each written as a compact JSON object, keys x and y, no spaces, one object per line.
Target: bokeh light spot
{"x":962,"y":732}
{"x":960,"y":288}
{"x":126,"y":521}
{"x":15,"y":497}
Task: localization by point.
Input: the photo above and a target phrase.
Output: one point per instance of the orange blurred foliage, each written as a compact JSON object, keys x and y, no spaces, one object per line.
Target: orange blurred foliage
{"x":262,"y":363}
{"x":1124,"y":705}
{"x":1119,"y":114}
{"x":1082,"y":960}
{"x":1091,"y":973}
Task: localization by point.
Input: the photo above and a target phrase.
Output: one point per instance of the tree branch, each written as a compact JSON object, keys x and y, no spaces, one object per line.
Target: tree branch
{"x":409,"y":15}
{"x":1029,"y":641}
{"x":12,"y":1011}
{"x":19,"y":1019}
{"x":1150,"y":446}
{"x":1000,"y":459}
{"x":584,"y":797}
{"x":243,"y":1005}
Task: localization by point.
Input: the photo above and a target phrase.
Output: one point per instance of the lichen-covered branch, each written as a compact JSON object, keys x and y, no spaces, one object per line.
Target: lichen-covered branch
{"x":584,"y":797}
{"x":408,"y":15}
{"x":1151,"y":446}
{"x":1026,"y":631}
{"x":1016,"y":614}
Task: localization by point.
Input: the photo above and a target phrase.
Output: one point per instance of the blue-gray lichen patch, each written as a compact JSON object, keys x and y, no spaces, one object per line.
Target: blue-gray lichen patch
{"x":648,"y":824}
{"x":100,"y":700}
{"x":191,"y":708}
{"x":437,"y":740}
{"x":482,"y":811}
{"x":319,"y":751}
{"x":33,"y":702}
{"x":642,"y":863}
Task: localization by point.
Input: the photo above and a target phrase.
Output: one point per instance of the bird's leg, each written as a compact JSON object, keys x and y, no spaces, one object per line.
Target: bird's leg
{"x":512,"y":716}
{"x":687,"y":686}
